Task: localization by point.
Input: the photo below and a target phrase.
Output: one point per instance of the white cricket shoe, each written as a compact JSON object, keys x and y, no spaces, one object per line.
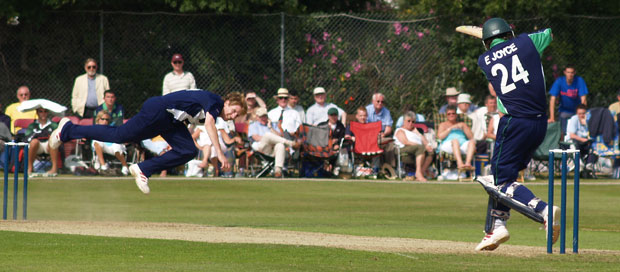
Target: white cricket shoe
{"x":54,"y":141}
{"x":141,"y":180}
{"x":492,"y":240}
{"x":125,"y":171}
{"x":556,"y":226}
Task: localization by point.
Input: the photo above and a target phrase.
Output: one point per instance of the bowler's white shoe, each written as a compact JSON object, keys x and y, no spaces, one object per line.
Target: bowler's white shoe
{"x":54,"y":141}
{"x":556,"y":226}
{"x":141,"y":180}
{"x":125,"y":171}
{"x":492,"y":240}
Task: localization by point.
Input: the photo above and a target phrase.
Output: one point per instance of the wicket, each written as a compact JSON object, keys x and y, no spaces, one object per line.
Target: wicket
{"x":564,"y":170}
{"x":13,"y":148}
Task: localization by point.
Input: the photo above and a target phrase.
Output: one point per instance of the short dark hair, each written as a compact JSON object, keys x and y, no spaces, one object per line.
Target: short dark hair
{"x":582,"y":106}
{"x":570,"y":65}
{"x":109,"y":91}
{"x":451,"y":107}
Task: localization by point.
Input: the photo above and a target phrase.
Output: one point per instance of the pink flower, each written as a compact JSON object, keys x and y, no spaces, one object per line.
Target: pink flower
{"x":378,"y":44}
{"x":347,"y":75}
{"x":263,"y":90}
{"x":308,"y":37}
{"x":554,"y":67}
{"x":265,"y":77}
{"x":405,"y":29}
{"x":382,"y":52}
{"x":339,"y":39}
{"x":462,"y":62}
{"x":334,"y":59}
{"x":549,"y":58}
{"x":397,"y":28}
{"x":299,"y":60}
{"x":333,"y":47}
{"x":356,"y":66}
{"x":389,"y":41}
{"x":334,"y":79}
{"x":326,"y":36}
{"x":340,"y":52}
{"x":420,"y":35}
{"x":406,"y":46}
{"x":431,"y":11}
{"x":313,"y":65}
{"x":464,"y":69}
{"x":319,"y":48}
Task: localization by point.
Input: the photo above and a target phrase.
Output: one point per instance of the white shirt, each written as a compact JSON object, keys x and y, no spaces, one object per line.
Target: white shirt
{"x":317,"y":113}
{"x":174,"y":82}
{"x":290,"y":119}
{"x":410,"y":135}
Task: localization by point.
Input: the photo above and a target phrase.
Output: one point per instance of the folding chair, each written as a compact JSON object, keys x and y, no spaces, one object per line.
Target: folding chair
{"x":317,"y":147}
{"x":23,"y":124}
{"x":541,"y":155}
{"x":420,"y":127}
{"x":366,"y":144}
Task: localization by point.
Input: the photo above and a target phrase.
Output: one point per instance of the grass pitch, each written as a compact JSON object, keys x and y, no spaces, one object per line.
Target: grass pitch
{"x":436,"y":211}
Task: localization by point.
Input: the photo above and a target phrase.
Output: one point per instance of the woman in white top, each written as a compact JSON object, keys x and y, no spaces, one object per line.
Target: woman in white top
{"x":412,"y":143}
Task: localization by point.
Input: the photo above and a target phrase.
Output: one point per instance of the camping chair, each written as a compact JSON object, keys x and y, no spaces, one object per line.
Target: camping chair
{"x":317,"y":147}
{"x":244,"y":153}
{"x":446,"y":160}
{"x":23,"y":124}
{"x":541,"y":155}
{"x":366,"y":144}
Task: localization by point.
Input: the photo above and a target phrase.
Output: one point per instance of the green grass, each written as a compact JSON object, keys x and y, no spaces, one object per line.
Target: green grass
{"x":429,"y":211}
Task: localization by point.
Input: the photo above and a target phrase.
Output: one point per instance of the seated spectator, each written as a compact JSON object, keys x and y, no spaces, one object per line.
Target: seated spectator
{"x":203,"y":143}
{"x":407,"y":108}
{"x":480,"y":121}
{"x":577,"y":131}
{"x":451,"y":98}
{"x":457,"y":139}
{"x":37,"y":134}
{"x":413,"y":143}
{"x":464,"y":104}
{"x":23,"y":94}
{"x":317,"y":113}
{"x":378,"y":112}
{"x":117,"y":150}
{"x":115,"y":110}
{"x":157,"y":146}
{"x":293,"y":100}
{"x":361,"y":116}
{"x":178,"y":79}
{"x":253,"y":102}
{"x":265,"y":139}
{"x":337,"y":130}
{"x":284,"y":120}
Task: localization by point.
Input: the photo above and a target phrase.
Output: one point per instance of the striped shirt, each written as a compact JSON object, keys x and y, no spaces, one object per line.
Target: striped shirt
{"x":174,"y":82}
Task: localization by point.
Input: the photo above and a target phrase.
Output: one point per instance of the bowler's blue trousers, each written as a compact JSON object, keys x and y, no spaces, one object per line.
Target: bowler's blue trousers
{"x":152,"y":120}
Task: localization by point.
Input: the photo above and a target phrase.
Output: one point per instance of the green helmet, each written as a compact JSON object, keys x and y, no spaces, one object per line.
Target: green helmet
{"x":494,"y":27}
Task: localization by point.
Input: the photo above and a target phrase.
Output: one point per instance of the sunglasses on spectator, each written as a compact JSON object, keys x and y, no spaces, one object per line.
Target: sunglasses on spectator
{"x":105,"y":119}
{"x":282,"y":97}
{"x":177,"y":62}
{"x":380,"y":101}
{"x":91,"y":67}
{"x":451,"y":113}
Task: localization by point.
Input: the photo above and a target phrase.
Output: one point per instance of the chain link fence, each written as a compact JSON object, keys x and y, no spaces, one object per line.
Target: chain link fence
{"x":410,"y":60}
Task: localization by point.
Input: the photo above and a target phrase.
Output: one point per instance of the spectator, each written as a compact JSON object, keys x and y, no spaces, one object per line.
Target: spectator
{"x":317,"y":113}
{"x":615,"y":107}
{"x":285,"y":121}
{"x":378,"y":112}
{"x":361,"y":116}
{"x":253,"y":102}
{"x":88,"y":90}
{"x":451,"y":98}
{"x":265,"y":139}
{"x":412,"y":142}
{"x":577,"y":130}
{"x":5,"y":119}
{"x":37,"y":134}
{"x":572,"y":91}
{"x":407,"y":108}
{"x":157,"y":146}
{"x":457,"y":139}
{"x":203,"y":143}
{"x":23,"y":94}
{"x":337,"y":131}
{"x":480,"y":122}
{"x":178,"y":79}
{"x":463,"y":103}
{"x":293,"y":100}
{"x":115,"y":110}
{"x":117,"y":150}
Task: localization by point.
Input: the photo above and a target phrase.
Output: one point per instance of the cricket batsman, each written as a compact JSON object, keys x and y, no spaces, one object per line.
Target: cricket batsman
{"x":512,"y":64}
{"x":166,"y":116}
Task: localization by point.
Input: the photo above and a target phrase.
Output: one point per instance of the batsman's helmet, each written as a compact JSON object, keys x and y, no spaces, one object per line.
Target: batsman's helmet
{"x":494,"y":27}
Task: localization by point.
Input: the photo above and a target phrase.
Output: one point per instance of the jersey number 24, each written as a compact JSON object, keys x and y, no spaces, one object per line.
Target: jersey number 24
{"x":516,"y":73}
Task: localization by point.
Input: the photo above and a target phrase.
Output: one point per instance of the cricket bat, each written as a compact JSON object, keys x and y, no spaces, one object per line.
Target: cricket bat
{"x":475,"y":31}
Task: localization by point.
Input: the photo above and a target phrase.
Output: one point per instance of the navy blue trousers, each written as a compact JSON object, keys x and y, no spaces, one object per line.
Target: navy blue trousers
{"x":516,"y":141}
{"x":152,"y":120}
